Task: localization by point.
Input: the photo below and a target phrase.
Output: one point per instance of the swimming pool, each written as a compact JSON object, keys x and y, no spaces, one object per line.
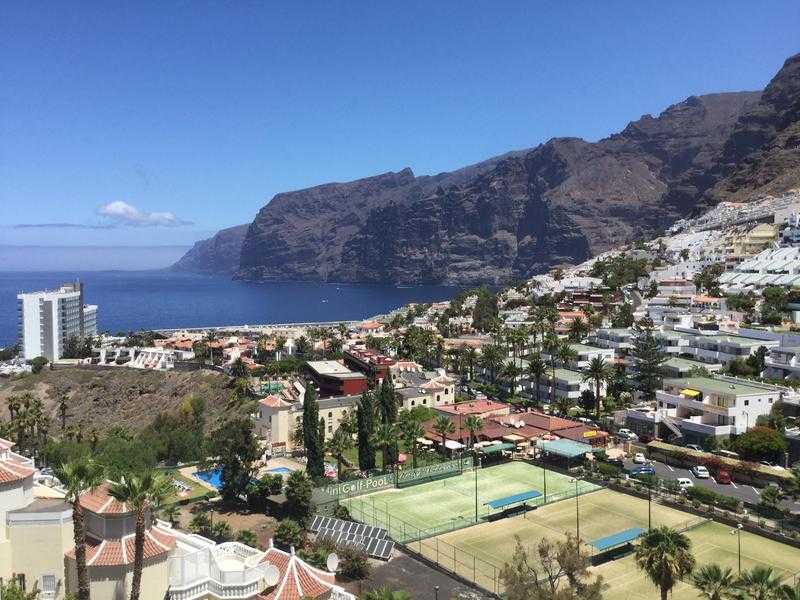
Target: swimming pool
{"x":280,"y":470}
{"x":213,"y":477}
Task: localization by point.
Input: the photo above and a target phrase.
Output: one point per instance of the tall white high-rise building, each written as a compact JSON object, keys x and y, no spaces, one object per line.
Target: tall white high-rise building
{"x":48,"y":319}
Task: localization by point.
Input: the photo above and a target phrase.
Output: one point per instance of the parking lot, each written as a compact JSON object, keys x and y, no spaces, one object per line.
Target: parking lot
{"x":743,"y":492}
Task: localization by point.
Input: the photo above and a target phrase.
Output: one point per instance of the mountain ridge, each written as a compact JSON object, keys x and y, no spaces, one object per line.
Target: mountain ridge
{"x":525,"y":211}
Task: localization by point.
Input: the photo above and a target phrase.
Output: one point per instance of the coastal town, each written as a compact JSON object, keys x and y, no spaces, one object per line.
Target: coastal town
{"x":658,"y":382}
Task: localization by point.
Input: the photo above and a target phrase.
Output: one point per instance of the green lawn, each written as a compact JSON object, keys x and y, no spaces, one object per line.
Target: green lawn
{"x":197,"y":490}
{"x":430,"y":508}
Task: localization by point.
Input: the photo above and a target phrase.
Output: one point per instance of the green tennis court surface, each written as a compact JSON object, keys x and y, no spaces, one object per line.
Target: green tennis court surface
{"x":711,"y":543}
{"x":479,"y":552}
{"x":430,"y":508}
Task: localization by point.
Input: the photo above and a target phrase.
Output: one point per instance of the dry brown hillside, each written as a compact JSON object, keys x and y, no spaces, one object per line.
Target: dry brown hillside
{"x":106,"y":398}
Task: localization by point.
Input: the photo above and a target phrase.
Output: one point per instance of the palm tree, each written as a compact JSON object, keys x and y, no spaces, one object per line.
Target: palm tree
{"x":566,"y":354}
{"x":386,"y":593}
{"x":443,"y":425}
{"x":597,"y":371}
{"x":62,"y":411}
{"x":472,"y":358}
{"x":790,"y":593}
{"x":511,"y":372}
{"x":537,"y":370}
{"x":578,"y":329}
{"x":492,"y":359}
{"x":385,"y":437}
{"x":78,"y":477}
{"x":760,"y":583}
{"x":713,"y":582}
{"x":338,"y":445}
{"x":171,"y":512}
{"x":410,"y":431}
{"x":665,"y":556}
{"x":143,"y":492}
{"x":551,"y":345}
{"x":473,"y":423}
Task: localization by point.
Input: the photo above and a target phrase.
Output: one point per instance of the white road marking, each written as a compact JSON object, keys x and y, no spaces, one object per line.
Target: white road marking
{"x":714,"y":480}
{"x":736,"y":487}
{"x":755,"y":490}
{"x":670,"y":468}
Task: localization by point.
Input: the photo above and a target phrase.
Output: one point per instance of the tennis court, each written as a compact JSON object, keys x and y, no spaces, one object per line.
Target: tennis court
{"x":602,"y":513}
{"x":711,"y":543}
{"x":430,"y":508}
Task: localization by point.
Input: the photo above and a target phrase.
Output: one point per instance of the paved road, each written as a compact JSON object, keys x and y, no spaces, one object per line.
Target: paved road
{"x":745,"y":493}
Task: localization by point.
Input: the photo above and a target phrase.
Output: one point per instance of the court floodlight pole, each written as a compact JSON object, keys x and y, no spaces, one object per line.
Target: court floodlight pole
{"x":544,"y":472}
{"x":577,"y":512}
{"x":476,"y":489}
{"x":738,"y":532}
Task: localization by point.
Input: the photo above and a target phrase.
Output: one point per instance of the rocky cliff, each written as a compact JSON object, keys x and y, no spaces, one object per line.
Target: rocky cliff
{"x":518,"y":214}
{"x":219,"y":254}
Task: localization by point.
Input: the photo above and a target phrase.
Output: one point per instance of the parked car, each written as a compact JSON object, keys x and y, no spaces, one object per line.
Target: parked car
{"x":694,"y":447}
{"x":639,"y":471}
{"x":627,"y":434}
{"x":639,"y":458}
{"x":700,"y":472}
{"x":766,"y":463}
{"x":725,"y":453}
{"x":684,"y":483}
{"x":723,"y":477}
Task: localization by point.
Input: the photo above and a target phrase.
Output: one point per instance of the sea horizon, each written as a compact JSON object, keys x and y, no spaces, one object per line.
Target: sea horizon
{"x":165,"y":299}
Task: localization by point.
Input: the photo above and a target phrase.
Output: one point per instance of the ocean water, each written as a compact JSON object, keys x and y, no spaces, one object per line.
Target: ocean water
{"x":130,"y":300}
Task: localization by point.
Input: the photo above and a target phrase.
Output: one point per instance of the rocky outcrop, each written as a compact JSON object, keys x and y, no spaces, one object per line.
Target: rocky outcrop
{"x":219,"y":254}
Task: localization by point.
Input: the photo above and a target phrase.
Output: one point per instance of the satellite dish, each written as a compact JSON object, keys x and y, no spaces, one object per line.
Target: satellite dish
{"x":332,"y":562}
{"x":271,"y":575}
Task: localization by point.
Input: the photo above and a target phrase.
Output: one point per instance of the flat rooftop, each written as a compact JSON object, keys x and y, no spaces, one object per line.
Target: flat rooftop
{"x":333,"y":368}
{"x":723,"y":386}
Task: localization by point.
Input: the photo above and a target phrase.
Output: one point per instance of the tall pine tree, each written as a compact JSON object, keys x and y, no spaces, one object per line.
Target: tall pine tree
{"x":648,"y":359}
{"x":388,"y":401}
{"x":314,"y":449}
{"x":365,"y":414}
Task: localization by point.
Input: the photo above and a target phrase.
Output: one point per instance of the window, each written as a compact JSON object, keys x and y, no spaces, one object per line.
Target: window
{"x":412,"y":403}
{"x":438,"y":398}
{"x":330,"y":428}
{"x":49,"y":584}
{"x":330,"y":415}
{"x":424,"y":400}
{"x":747,"y":402}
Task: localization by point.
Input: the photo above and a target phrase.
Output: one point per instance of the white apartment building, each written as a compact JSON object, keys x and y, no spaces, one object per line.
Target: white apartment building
{"x":48,"y":319}
{"x":719,"y":406}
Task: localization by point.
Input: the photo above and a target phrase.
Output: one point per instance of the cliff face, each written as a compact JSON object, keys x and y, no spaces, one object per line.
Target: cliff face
{"x":518,"y":214}
{"x":506,"y":218}
{"x":219,"y":254}
{"x":762,"y":154}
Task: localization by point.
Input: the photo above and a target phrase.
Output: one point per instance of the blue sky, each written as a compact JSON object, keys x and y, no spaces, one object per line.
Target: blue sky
{"x":159,"y":123}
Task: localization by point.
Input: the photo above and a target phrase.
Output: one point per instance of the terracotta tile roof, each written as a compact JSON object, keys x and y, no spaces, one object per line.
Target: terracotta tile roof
{"x":99,"y":501}
{"x":474,"y":407}
{"x":12,"y":470}
{"x":297,"y":579}
{"x":6,"y":444}
{"x":547,"y":422}
{"x":273,"y":401}
{"x":118,"y":552}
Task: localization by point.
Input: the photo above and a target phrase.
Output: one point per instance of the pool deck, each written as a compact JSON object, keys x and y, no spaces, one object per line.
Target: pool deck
{"x":190,"y":472}
{"x":262,"y":469}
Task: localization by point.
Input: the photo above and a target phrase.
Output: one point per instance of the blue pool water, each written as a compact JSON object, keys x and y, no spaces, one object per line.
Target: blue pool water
{"x":214,"y":477}
{"x":281,"y":470}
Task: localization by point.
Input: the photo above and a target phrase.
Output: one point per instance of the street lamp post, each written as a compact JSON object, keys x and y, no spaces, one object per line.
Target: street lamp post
{"x":544,"y":474}
{"x":649,"y":503}
{"x":738,"y":533}
{"x":436,"y":592}
{"x":577,"y":512}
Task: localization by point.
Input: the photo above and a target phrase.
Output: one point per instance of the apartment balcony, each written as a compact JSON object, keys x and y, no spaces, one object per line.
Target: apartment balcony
{"x":695,"y":425}
{"x":696,"y":405}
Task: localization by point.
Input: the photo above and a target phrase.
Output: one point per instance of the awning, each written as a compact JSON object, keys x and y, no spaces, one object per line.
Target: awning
{"x":566,"y":448}
{"x":690,"y":393}
{"x":494,"y":449}
{"x":513,"y":437}
{"x":453,"y":445}
{"x":424,"y":441}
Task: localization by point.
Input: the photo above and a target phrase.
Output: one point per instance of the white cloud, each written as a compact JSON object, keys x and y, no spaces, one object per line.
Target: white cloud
{"x":122,"y":213}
